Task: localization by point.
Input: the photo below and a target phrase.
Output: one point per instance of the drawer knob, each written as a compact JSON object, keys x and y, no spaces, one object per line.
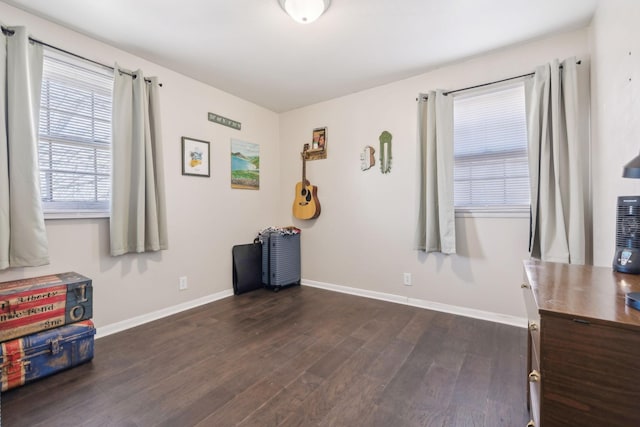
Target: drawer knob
{"x":531,"y":424}
{"x":534,"y":376}
{"x":533,"y":326}
{"x":525,"y":286}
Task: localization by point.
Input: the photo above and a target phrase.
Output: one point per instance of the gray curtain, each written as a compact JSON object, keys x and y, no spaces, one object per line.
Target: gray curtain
{"x":557,"y":168}
{"x":23,"y":237}
{"x":436,"y":214}
{"x":138,"y":212}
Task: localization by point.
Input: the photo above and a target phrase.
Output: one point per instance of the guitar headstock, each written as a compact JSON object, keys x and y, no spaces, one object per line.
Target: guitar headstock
{"x":304,"y":154}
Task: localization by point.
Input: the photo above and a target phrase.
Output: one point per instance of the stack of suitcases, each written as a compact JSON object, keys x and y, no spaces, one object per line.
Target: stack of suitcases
{"x":45,"y":326}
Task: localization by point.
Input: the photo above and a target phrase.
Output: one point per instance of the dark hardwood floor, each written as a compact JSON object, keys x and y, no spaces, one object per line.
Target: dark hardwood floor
{"x":300,"y":357}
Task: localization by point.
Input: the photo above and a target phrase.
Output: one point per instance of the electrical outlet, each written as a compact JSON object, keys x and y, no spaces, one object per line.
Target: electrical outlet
{"x":182,"y":285}
{"x":407,"y":279}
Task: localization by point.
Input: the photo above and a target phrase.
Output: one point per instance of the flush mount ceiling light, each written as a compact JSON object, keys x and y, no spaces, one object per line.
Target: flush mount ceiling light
{"x":305,"y":11}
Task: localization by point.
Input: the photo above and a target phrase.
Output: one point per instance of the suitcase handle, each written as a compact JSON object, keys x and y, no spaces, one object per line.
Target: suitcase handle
{"x":55,"y":346}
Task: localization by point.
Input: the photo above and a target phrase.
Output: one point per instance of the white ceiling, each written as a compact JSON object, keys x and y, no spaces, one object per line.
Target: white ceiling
{"x":252,"y":49}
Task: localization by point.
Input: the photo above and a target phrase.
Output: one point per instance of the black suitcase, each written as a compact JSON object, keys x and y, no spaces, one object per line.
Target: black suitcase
{"x":247,"y":267}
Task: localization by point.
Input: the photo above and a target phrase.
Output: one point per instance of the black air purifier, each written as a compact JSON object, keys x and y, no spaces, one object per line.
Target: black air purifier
{"x":627,"y":257}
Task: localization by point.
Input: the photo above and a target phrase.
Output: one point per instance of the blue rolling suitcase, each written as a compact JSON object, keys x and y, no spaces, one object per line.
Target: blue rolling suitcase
{"x":280,"y":259}
{"x":29,"y":358}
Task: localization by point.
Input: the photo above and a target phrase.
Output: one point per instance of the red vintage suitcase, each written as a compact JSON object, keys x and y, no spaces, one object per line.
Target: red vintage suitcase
{"x":39,"y":355}
{"x":39,"y":303}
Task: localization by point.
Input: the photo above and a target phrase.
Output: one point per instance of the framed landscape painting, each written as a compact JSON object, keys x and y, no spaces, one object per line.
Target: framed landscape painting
{"x":245,"y":165}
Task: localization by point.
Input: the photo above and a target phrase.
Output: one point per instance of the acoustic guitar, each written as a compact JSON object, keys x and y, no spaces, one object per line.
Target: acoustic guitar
{"x":306,"y":204}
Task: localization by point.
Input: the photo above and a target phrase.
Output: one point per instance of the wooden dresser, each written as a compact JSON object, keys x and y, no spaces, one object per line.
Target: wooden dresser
{"x":584,"y":346}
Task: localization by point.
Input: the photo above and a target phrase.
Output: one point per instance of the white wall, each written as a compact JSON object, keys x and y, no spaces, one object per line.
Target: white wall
{"x":205,"y":217}
{"x":364,"y":235}
{"x":615,"y":41}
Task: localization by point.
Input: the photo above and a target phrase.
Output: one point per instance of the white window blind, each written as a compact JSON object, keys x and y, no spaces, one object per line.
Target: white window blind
{"x":75,"y":135}
{"x":491,"y":172}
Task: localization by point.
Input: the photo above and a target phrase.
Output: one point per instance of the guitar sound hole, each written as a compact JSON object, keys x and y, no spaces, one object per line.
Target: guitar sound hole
{"x":306,"y":194}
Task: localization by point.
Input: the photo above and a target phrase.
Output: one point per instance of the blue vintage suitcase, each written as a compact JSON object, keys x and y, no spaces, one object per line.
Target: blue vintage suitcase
{"x":280,"y":259}
{"x":39,"y":355}
{"x":32,"y":305}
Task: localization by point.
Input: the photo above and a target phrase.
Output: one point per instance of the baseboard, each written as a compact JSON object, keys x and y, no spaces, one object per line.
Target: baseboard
{"x":113,"y":328}
{"x":415,"y":302}
{"x":103,"y":331}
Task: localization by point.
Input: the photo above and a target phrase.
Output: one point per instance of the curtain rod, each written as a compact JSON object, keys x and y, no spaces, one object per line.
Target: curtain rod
{"x":10,"y":32}
{"x":424,"y":97}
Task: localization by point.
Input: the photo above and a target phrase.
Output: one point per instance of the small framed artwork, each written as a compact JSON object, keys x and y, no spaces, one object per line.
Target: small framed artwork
{"x":318,"y":148}
{"x":195,"y":157}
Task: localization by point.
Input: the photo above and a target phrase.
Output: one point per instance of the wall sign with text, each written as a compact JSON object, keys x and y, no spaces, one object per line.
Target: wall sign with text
{"x":224,"y":121}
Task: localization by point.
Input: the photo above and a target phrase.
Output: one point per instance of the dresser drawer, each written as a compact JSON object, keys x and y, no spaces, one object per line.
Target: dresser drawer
{"x":533,"y":318}
{"x":535,"y":382}
{"x":530,"y":302}
{"x":533,"y":356}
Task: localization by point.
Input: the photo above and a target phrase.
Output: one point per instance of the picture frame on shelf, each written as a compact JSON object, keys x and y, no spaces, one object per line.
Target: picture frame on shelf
{"x":318,"y":148}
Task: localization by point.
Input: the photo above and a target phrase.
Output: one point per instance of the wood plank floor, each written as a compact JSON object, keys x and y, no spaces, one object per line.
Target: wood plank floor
{"x":300,"y":357}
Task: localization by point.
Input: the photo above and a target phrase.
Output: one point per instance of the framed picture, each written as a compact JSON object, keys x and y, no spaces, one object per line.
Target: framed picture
{"x":318,"y":148}
{"x":245,"y":165}
{"x":195,"y":157}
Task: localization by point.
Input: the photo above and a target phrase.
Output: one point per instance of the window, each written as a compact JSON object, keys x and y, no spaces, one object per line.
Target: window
{"x":75,"y":136}
{"x":491,"y":171}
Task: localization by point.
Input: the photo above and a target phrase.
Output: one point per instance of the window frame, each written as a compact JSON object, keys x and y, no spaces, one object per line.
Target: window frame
{"x":493,"y":211}
{"x":88,"y":142}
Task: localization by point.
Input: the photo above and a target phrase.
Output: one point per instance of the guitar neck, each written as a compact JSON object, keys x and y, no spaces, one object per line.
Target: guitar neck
{"x":304,"y":169}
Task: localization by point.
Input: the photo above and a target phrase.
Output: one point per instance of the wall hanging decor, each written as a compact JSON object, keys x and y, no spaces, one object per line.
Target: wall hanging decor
{"x":195,"y":157}
{"x":367,"y":158}
{"x":385,"y":152}
{"x":215,"y":118}
{"x":245,"y":165}
{"x":318,"y":148}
